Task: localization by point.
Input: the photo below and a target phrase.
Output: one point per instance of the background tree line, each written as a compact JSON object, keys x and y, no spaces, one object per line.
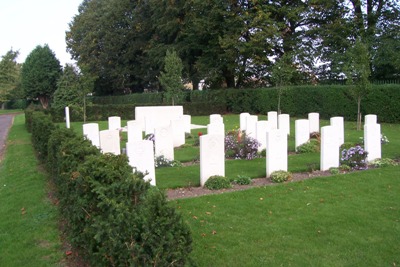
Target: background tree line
{"x":122,"y":43}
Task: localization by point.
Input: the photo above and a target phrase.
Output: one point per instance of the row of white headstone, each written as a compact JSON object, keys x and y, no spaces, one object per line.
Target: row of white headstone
{"x":273,"y":136}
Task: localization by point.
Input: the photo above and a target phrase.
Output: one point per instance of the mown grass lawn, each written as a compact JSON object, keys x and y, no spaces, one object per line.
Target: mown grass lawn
{"x":344,"y":220}
{"x":29,"y":234}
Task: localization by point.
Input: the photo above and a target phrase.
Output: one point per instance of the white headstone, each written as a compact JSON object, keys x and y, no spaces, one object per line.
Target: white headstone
{"x":329,"y":148}
{"x":212,"y":156}
{"x":91,"y":131}
{"x":164,"y":142}
{"x":313,"y":118}
{"x":277,"y":155}
{"x":251,"y":126}
{"x":302,"y":134}
{"x":178,"y":131}
{"x":216,"y":118}
{"x":141,"y":157}
{"x":188,"y":122}
{"x":109,"y":142}
{"x":262,"y":128}
{"x":273,"y":119}
{"x":114,"y":123}
{"x":284,"y":123}
{"x":134,"y":131}
{"x":371,"y":118}
{"x":216,"y":128}
{"x":338,"y":123}
{"x":243,"y":121}
{"x":157,"y":115}
{"x":67,"y":117}
{"x":372,"y":141}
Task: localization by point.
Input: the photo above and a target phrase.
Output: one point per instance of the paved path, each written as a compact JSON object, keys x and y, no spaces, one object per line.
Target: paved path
{"x":6,"y":121}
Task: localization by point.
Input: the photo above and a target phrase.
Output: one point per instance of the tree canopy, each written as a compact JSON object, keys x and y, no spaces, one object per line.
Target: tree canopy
{"x":9,"y":74}
{"x":39,"y":74}
{"x":228,"y":43}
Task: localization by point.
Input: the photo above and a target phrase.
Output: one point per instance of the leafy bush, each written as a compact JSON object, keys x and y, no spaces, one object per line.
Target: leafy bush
{"x":41,"y":127}
{"x":309,"y":147}
{"x":355,"y":157}
{"x":217,"y":182}
{"x":334,"y":171}
{"x":242,"y":180}
{"x":238,"y":145}
{"x":384,"y":162}
{"x":281,"y":176}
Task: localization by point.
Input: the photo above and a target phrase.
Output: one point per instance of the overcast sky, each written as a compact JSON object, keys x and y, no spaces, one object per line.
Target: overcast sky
{"x":24,"y":24}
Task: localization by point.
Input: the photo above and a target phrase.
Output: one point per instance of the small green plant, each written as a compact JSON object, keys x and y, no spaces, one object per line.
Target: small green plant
{"x":281,"y":176}
{"x":309,"y":147}
{"x":344,"y":167}
{"x":217,"y":182}
{"x":263,"y":153}
{"x":311,"y":167}
{"x":384,"y":162}
{"x":334,"y":170}
{"x":242,"y":180}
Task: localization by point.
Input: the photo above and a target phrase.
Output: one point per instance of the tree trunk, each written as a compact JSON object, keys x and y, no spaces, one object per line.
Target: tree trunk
{"x":44,"y":100}
{"x":359,"y":113}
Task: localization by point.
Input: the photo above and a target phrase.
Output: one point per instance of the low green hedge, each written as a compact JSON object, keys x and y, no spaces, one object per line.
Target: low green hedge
{"x":112,"y":215}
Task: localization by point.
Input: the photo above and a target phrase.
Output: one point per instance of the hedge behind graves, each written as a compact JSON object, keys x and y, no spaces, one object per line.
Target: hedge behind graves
{"x":298,"y":101}
{"x":112,"y":215}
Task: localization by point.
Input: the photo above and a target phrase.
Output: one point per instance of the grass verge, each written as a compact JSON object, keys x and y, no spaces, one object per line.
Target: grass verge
{"x":344,"y":220}
{"x":29,"y":234}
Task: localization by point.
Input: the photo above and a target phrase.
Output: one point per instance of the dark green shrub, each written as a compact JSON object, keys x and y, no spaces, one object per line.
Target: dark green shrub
{"x":242,"y":180}
{"x":309,"y":147}
{"x":41,"y":127}
{"x":217,"y":182}
{"x":281,"y":176}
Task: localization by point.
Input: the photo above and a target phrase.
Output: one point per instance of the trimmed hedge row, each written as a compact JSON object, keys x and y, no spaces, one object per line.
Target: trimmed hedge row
{"x":112,"y":215}
{"x":329,"y":101}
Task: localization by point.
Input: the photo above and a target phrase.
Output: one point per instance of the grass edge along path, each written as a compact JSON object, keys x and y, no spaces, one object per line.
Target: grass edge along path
{"x":343,"y":220}
{"x":29,"y":234}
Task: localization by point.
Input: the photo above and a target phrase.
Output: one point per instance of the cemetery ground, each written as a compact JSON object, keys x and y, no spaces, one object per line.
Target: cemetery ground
{"x":351,"y":219}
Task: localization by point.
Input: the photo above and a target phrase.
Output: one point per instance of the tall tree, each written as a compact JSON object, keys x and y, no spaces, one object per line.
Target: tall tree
{"x":9,"y":75}
{"x":68,"y":91}
{"x":171,"y":78}
{"x":358,"y":74}
{"x":39,"y":74}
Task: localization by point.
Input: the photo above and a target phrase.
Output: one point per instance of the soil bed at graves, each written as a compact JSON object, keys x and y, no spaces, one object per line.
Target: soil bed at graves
{"x":187,"y":192}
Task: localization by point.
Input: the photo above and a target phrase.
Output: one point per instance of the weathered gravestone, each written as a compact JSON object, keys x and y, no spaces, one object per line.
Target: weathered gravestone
{"x":134,"y":131}
{"x":251,"y":126}
{"x":212,"y":156}
{"x":243,"y":121}
{"x":329,"y":148}
{"x":302,"y":134}
{"x":114,"y":123}
{"x":110,"y":142}
{"x":277,"y":155}
{"x":157,"y":116}
{"x":284,"y":123}
{"x":164,"y":142}
{"x":273,"y":119}
{"x":313,"y":118}
{"x":141,"y":157}
{"x":372,"y":141}
{"x":91,"y":131}
{"x":338,"y":124}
